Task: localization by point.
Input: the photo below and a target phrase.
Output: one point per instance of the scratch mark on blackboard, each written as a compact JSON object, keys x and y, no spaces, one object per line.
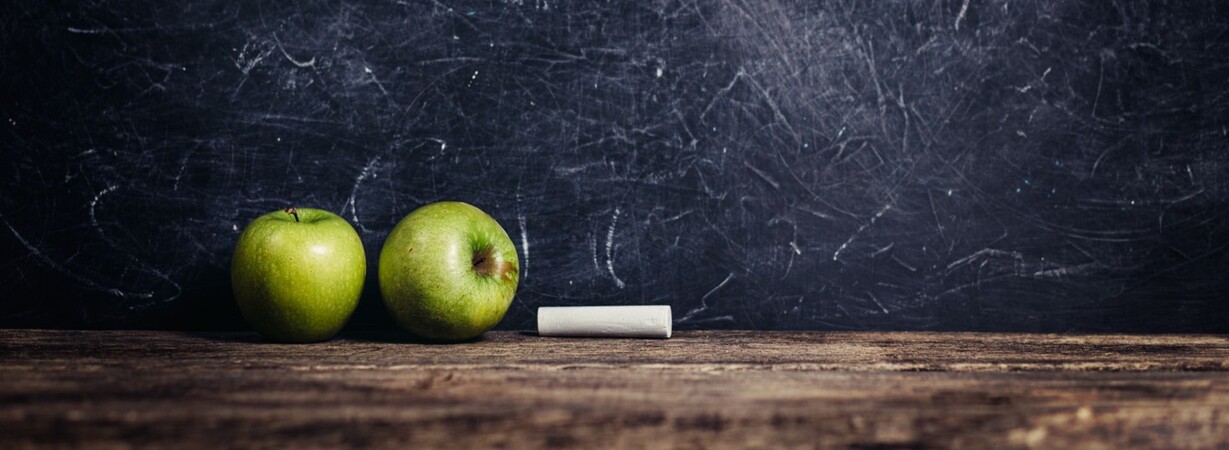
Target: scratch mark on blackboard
{"x":358,"y":181}
{"x":678,"y":216}
{"x":704,"y":300}
{"x":721,"y":92}
{"x":614,"y":219}
{"x":772,"y":104}
{"x":375,"y":80}
{"x":960,"y":17}
{"x":762,"y":175}
{"x":520,"y":218}
{"x":183,"y":165}
{"x":308,"y":63}
{"x":883,"y":250}
{"x":1108,"y":149}
{"x":985,"y":252}
{"x":842,"y":308}
{"x":1064,"y":271}
{"x":87,"y":30}
{"x":876,"y":300}
{"x":836,"y":255}
{"x":94,"y":206}
{"x":451,"y":60}
{"x":246,"y":63}
{"x":47,"y":261}
{"x":443,"y":146}
{"x":934,"y":212}
{"x":1100,"y":79}
{"x":597,"y":267}
{"x":773,"y":38}
{"x":868,"y":55}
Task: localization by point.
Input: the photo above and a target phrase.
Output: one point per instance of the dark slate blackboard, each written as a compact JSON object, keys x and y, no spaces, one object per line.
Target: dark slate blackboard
{"x":942,"y":165}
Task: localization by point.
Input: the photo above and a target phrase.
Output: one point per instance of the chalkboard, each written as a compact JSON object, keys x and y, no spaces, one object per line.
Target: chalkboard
{"x":914,"y":165}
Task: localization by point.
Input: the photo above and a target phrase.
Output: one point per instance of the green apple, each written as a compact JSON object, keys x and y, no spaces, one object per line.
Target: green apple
{"x":448,"y":272}
{"x":297,"y":274}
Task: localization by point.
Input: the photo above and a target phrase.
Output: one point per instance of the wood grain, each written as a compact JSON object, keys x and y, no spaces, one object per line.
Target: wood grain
{"x":698,"y":390}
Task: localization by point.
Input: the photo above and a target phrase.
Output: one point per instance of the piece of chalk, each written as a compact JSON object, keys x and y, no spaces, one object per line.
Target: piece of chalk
{"x":651,"y":321}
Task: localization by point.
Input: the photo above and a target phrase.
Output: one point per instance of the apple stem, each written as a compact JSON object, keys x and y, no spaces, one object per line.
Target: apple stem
{"x":293,"y":212}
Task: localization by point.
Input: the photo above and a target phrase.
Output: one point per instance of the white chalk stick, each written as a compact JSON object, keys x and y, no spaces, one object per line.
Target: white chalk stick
{"x":650,"y":321}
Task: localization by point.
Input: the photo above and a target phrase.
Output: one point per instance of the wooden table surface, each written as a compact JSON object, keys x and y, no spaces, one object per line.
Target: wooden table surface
{"x":697,"y":390}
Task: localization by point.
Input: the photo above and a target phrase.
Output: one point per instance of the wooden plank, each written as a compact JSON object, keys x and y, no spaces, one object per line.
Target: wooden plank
{"x":699,"y":390}
{"x":698,"y":350}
